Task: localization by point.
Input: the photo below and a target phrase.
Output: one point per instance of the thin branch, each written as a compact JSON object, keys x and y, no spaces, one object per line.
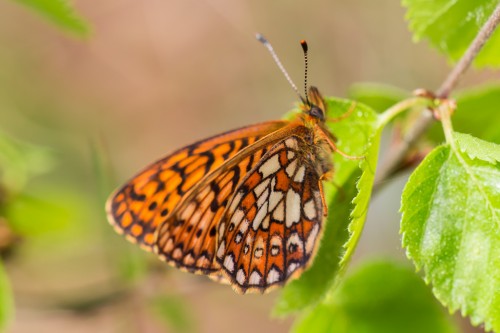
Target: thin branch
{"x":396,"y":155}
{"x":471,"y":53}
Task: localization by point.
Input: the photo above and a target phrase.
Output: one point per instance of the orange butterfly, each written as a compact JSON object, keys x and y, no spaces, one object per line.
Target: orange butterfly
{"x":244,"y":207}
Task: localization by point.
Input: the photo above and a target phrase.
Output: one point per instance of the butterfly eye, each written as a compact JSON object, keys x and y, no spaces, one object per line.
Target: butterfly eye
{"x":316,"y":112}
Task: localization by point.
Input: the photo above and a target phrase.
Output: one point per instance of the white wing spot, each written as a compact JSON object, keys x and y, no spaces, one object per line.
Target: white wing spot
{"x":170,"y":245}
{"x":310,"y":209}
{"x":274,"y":199}
{"x":292,"y":208}
{"x":261,"y":187}
{"x":237,"y":216}
{"x":177,"y":254}
{"x":294,"y":243}
{"x":229,"y":263}
{"x":265,"y":223}
{"x":259,"y":217}
{"x":279,"y":212}
{"x":240,"y":276}
{"x":188,"y":260}
{"x":238,"y":238}
{"x":202,"y":262}
{"x":290,"y":154}
{"x":311,"y":239}
{"x":188,"y":211}
{"x":222,"y":227}
{"x":291,"y":143}
{"x":290,"y":169}
{"x":244,"y":226}
{"x":258,"y":252}
{"x":221,"y":250}
{"x":254,"y":278}
{"x":291,"y":268}
{"x":270,"y":166}
{"x":273,"y":276}
{"x":236,"y":201}
{"x":263,"y":198}
{"x":299,"y":177}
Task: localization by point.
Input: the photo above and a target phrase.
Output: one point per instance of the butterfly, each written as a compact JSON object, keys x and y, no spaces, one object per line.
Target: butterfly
{"x":245,"y":207}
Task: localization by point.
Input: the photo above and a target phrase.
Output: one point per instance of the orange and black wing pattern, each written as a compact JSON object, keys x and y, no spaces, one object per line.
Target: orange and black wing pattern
{"x":147,"y":200}
{"x":270,"y":230}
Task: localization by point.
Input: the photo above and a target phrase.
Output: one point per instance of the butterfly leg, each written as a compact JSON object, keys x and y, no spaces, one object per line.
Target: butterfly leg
{"x":334,"y":147}
{"x":346,"y":114}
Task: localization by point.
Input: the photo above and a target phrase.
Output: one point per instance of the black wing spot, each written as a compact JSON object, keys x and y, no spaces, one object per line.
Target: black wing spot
{"x":213,"y":231}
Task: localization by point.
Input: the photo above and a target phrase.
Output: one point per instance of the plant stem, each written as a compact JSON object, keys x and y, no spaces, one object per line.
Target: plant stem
{"x":397,"y":108}
{"x":445,"y":112}
{"x":397,"y":154}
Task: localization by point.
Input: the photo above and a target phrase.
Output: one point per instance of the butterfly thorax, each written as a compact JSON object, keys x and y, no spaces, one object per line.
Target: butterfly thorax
{"x":317,"y":136}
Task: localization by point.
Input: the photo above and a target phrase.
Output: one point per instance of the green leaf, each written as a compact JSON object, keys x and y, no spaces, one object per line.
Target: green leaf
{"x":379,"y":297}
{"x":378,"y":96}
{"x":353,"y":133}
{"x":20,"y":161}
{"x":31,"y":216}
{"x":451,"y":227}
{"x":173,"y":312}
{"x":60,"y":13}
{"x":477,"y":114}
{"x":476,"y":148}
{"x":6,"y":300}
{"x":451,"y":25}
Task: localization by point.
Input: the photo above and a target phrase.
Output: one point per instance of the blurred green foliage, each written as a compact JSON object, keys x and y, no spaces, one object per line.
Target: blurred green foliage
{"x":378,"y":297}
{"x":60,"y":13}
{"x":451,"y":25}
{"x":6,"y":300}
{"x":173,"y":312}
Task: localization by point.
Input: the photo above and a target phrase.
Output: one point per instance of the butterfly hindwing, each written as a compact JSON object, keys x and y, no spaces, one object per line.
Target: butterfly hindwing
{"x":270,"y":229}
{"x":187,"y":238}
{"x":142,"y":204}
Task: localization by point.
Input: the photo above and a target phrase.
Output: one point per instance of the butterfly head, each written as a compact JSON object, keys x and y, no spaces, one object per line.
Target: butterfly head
{"x":314,"y":105}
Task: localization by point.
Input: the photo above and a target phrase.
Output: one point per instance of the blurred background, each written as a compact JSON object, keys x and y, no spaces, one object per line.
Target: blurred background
{"x":78,"y":117}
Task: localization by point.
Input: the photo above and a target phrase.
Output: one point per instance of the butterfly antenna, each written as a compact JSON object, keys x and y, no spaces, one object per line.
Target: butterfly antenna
{"x":305,"y":48}
{"x":269,"y":47}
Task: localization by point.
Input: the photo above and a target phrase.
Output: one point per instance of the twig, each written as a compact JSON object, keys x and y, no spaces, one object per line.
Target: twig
{"x":396,"y":155}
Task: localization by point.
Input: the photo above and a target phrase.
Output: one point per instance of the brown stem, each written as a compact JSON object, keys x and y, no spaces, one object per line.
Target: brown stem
{"x":397,"y":154}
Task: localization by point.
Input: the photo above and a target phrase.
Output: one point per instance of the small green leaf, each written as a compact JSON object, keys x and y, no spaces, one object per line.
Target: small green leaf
{"x":60,"y":13}
{"x":173,"y":312}
{"x":476,"y":148}
{"x":30,"y":215}
{"x":378,"y":96}
{"x":379,"y":297}
{"x":451,"y":25}
{"x":19,"y":161}
{"x":477,"y":114}
{"x":6,"y":300}
{"x":451,"y":227}
{"x":353,"y":133}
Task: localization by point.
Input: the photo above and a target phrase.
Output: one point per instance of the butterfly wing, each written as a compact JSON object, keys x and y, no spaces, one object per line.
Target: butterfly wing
{"x":142,"y":204}
{"x":270,"y":229}
{"x":187,"y":237}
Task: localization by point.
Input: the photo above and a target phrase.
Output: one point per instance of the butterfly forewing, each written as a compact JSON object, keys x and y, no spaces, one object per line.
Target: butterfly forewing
{"x":270,"y":229}
{"x":145,"y":202}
